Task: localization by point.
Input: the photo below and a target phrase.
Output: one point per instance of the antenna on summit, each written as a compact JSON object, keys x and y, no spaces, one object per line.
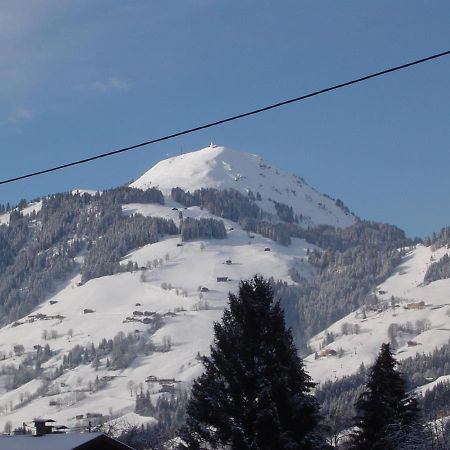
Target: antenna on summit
{"x":212,"y":145}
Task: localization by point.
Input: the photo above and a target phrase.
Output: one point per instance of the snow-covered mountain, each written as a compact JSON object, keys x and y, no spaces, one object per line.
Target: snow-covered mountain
{"x":222,"y":168}
{"x":177,"y":281}
{"x":177,"y":289}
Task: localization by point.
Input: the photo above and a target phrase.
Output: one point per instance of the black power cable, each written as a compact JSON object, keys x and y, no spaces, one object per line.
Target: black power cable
{"x":230,"y":119}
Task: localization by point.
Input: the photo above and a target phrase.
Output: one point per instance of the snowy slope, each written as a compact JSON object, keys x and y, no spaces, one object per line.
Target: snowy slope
{"x":31,"y":208}
{"x":406,"y":285}
{"x":198,"y":264}
{"x":223,"y":168}
{"x":113,"y":298}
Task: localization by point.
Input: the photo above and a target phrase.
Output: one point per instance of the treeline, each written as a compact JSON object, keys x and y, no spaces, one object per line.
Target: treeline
{"x":125,"y":194}
{"x":435,"y":402}
{"x":285,"y":212}
{"x":168,"y":410}
{"x":119,"y":353}
{"x":28,"y":369}
{"x":232,"y":205}
{"x":4,"y":208}
{"x":430,"y":365}
{"x":278,"y":232}
{"x":371,"y":235}
{"x":229,"y":204}
{"x":38,"y":250}
{"x":29,"y":270}
{"x":439,"y":270}
{"x":357,"y":259}
{"x":440,"y":239}
{"x":337,"y":398}
{"x":126,"y":233}
{"x":192,"y":229}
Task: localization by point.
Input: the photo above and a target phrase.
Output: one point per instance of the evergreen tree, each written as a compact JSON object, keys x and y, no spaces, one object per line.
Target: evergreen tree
{"x":387,"y":418}
{"x":254,"y":393}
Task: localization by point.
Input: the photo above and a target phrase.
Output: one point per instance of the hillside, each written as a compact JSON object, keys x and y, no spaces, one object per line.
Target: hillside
{"x":107,"y":295}
{"x":186,"y":320}
{"x":154,"y":304}
{"x":222,"y":168}
{"x":398,"y":317}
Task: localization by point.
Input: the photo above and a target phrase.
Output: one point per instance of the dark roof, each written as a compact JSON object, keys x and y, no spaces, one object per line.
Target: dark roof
{"x":69,"y":441}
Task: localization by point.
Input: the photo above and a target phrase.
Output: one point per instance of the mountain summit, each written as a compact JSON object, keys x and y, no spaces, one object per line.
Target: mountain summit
{"x":223,"y":168}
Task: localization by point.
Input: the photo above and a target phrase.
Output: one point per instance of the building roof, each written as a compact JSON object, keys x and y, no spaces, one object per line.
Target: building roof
{"x":65,"y":441}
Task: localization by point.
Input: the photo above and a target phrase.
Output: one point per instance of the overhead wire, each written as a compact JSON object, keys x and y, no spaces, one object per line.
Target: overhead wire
{"x":228,"y":119}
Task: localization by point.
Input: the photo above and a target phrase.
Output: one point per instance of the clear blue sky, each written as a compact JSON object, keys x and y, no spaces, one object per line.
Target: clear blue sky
{"x":79,"y":78}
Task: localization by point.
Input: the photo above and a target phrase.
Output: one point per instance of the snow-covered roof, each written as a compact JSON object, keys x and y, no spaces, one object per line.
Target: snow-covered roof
{"x":69,"y":441}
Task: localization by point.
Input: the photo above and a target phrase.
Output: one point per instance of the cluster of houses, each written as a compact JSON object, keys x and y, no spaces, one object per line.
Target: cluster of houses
{"x":145,"y":317}
{"x":39,"y":316}
{"x":327,"y":352}
{"x":222,"y":279}
{"x":415,"y":305}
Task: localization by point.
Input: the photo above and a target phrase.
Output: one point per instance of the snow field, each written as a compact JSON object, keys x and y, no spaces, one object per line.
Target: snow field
{"x":113,"y":298}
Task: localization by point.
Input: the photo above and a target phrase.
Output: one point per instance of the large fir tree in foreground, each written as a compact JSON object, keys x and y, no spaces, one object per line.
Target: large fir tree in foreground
{"x":387,"y":418}
{"x":254,"y":393}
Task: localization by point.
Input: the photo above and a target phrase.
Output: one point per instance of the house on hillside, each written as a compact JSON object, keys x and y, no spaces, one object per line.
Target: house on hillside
{"x":222,"y":279}
{"x":328,"y":352}
{"x":416,"y":305}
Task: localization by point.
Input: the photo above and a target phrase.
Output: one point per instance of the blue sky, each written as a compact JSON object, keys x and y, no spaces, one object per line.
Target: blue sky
{"x":80,"y":78}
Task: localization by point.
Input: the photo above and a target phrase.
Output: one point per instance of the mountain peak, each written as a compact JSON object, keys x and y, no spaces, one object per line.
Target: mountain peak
{"x":213,"y":166}
{"x":221,"y":168}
